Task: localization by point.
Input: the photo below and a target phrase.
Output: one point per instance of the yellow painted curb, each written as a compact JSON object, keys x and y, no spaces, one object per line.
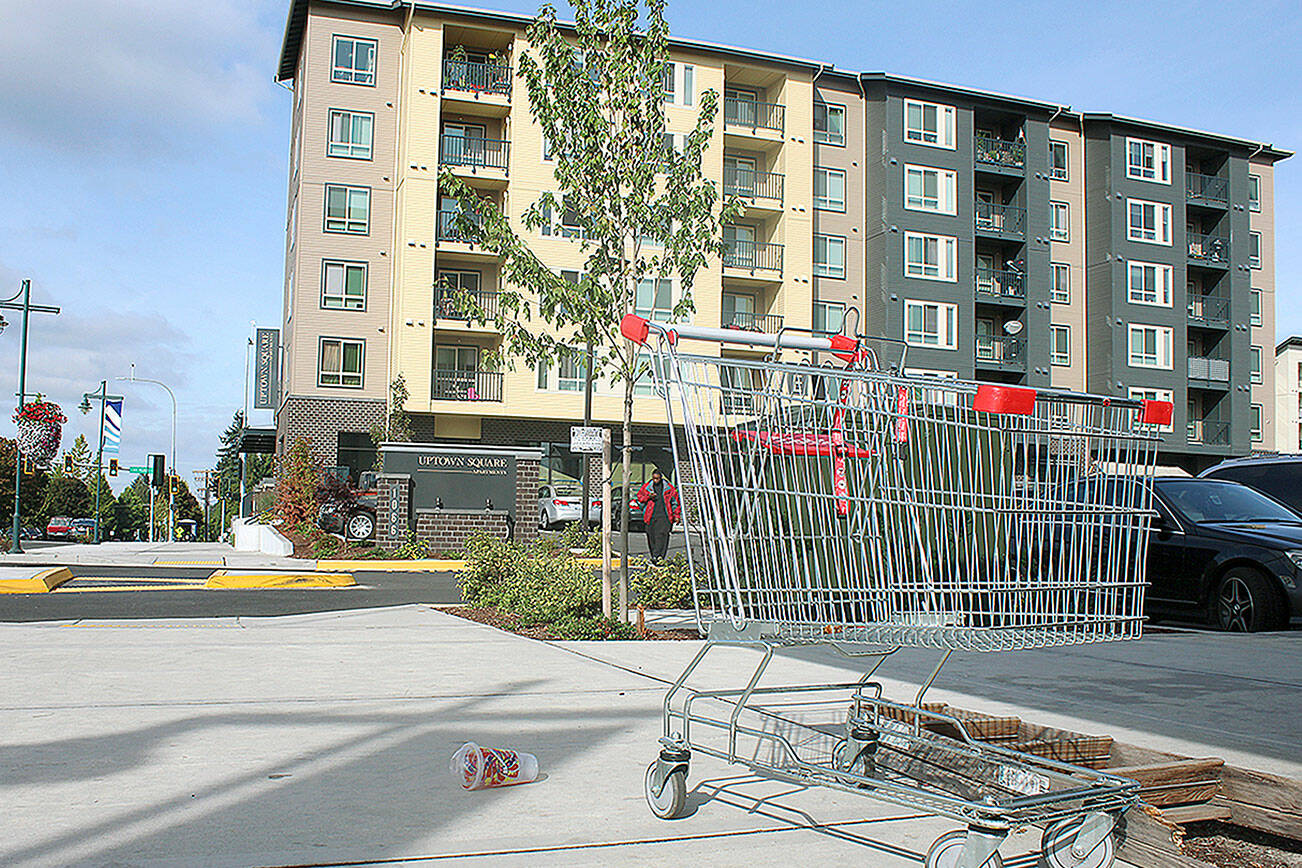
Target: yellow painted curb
{"x":227,"y":580}
{"x":415,"y":565}
{"x":41,"y":583}
{"x":596,"y":562}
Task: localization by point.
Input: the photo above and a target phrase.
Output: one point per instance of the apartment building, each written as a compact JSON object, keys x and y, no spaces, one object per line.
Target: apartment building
{"x":1000,"y":238}
{"x":1287,"y":401}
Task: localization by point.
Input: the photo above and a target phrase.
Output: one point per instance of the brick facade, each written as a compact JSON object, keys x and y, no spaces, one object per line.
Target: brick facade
{"x":526,"y":499}
{"x":446,"y":530}
{"x":320,"y":420}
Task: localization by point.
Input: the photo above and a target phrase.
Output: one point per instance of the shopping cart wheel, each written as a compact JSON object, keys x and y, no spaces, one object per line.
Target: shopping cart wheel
{"x":947,"y":852}
{"x":1059,"y":845}
{"x":673,"y":795}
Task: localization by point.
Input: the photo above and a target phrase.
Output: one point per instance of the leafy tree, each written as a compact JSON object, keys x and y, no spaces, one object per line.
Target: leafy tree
{"x":396,"y":427}
{"x":131,"y":511}
{"x":65,"y":496}
{"x":106,"y":501}
{"x":32,"y":490}
{"x":296,"y":485}
{"x":637,"y":207}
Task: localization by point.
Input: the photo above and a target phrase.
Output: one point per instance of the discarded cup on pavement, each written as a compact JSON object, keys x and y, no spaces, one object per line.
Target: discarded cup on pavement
{"x":481,"y":767}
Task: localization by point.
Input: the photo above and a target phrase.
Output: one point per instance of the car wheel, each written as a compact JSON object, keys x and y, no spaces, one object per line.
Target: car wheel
{"x":1246,"y":602}
{"x":360,"y":526}
{"x":543,"y":524}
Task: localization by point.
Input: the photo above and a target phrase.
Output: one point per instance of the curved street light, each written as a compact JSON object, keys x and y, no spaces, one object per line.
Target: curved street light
{"x":171,"y":495}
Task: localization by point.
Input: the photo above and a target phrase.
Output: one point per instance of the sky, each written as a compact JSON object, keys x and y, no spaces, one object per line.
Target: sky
{"x":144,"y":158}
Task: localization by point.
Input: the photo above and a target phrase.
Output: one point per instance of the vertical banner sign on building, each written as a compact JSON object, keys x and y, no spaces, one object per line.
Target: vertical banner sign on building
{"x":112,"y":427}
{"x":266,"y":369}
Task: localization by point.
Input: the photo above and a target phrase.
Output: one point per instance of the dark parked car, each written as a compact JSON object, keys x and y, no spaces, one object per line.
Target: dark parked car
{"x":635,"y":509}
{"x":354,"y":517}
{"x":1279,"y":476}
{"x":1224,"y":552}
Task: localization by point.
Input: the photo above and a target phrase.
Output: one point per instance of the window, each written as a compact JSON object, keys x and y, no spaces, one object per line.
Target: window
{"x":547,"y":149}
{"x":1149,"y":283}
{"x":1254,"y":372}
{"x":1057,"y":160}
{"x":1059,"y":221}
{"x":829,"y":189}
{"x":829,"y":256}
{"x":1148,"y":161}
{"x":568,"y":226}
{"x":930,"y":324}
{"x":1059,"y":345}
{"x":1254,"y":313}
{"x":829,"y":316}
{"x":340,"y":363}
{"x":829,"y":124}
{"x":350,"y":134}
{"x":931,"y":257}
{"x":655,"y":299}
{"x":1255,"y":421}
{"x":1060,"y":282}
{"x":354,"y":61}
{"x":343,"y":285}
{"x":347,"y":209}
{"x":1149,"y":222}
{"x":1150,"y":347}
{"x":571,"y":372}
{"x":929,"y":124}
{"x":1254,"y":192}
{"x":927,"y":189}
{"x":680,"y":84}
{"x":1141,"y":394}
{"x":1254,"y":249}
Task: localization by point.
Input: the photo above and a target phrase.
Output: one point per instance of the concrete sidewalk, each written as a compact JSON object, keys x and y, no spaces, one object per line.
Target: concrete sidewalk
{"x":325,"y":738}
{"x":142,"y":554}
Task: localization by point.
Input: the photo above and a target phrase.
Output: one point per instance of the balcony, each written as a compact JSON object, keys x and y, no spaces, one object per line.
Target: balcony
{"x":769,"y":323}
{"x":1000,"y":221}
{"x":1000,"y":352}
{"x":1000,"y":153}
{"x":764,"y":119}
{"x":464,"y":304}
{"x":1206,"y":190}
{"x":1210,"y":311}
{"x":1000,"y":286}
{"x":1209,"y":372}
{"x":447,"y":385}
{"x":1210,"y":250}
{"x":764,"y":189}
{"x":477,"y":87}
{"x":458,"y":234}
{"x":752,"y":260}
{"x":1209,"y":432}
{"x":486,"y":157}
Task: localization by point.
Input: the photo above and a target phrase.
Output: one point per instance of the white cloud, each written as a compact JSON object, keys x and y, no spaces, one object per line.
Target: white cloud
{"x":85,"y":74}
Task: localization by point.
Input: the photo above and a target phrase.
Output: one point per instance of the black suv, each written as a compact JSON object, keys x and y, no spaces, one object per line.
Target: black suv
{"x":1279,"y":476}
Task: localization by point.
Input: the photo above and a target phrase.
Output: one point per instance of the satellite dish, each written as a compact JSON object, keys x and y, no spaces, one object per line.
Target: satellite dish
{"x":1013,"y":327}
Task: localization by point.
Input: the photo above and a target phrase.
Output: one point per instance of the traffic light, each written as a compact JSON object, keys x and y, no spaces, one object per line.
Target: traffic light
{"x":176,"y":484}
{"x":160,"y":471}
{"x":113,"y":467}
{"x":68,"y":466}
{"x":29,"y":466}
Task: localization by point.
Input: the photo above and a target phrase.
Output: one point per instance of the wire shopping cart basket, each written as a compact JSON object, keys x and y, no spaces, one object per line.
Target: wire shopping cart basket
{"x":848,"y":505}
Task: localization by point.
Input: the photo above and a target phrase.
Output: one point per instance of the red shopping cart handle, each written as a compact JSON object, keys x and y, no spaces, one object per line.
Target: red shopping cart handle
{"x":635,"y":328}
{"x":800,"y":443}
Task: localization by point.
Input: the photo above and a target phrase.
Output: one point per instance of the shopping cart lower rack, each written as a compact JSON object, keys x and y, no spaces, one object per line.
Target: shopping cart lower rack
{"x":832,"y":500}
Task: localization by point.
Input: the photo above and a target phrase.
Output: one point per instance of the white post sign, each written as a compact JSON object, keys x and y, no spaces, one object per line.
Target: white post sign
{"x":585,"y":440}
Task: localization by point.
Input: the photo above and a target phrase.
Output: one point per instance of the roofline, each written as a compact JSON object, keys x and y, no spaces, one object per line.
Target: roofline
{"x":1291,"y":342}
{"x":297,"y":16}
{"x":1265,"y":148}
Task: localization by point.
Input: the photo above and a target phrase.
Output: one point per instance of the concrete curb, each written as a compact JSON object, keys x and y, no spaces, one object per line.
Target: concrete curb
{"x":41,"y":583}
{"x":421,"y":565}
{"x":232,"y":580}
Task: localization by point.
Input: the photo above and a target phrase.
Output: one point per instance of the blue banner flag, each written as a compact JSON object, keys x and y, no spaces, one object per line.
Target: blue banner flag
{"x":112,"y":426}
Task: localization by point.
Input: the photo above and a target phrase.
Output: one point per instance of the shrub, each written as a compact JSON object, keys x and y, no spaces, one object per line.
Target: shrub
{"x":592,"y":627}
{"x":412,"y":549}
{"x":296,"y":485}
{"x":540,"y":585}
{"x":666,"y":585}
{"x":573,"y":537}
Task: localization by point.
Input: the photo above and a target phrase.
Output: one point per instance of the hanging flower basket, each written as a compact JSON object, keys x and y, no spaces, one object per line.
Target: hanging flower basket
{"x":40,"y":428}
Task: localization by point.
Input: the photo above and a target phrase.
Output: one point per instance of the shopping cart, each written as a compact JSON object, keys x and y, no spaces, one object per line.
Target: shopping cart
{"x":831,"y":499}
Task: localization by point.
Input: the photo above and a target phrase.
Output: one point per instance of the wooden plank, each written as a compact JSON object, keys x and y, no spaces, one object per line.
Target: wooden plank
{"x":1176,"y":783}
{"x":1264,"y":790}
{"x":1216,"y":809}
{"x":1153,"y":842}
{"x":1283,"y":823}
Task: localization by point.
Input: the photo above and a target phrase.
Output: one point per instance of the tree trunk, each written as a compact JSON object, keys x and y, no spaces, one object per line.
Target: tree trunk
{"x":626,"y":448}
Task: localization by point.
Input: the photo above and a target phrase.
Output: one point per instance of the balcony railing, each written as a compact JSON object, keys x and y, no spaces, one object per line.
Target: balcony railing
{"x":998,"y":350}
{"x":750,"y":184}
{"x":753,"y":255}
{"x":474,"y":152}
{"x":1209,"y":369}
{"x":1209,"y":432}
{"x":1206,"y":188}
{"x":450,"y":227}
{"x":1209,"y":309}
{"x":742,"y":112}
{"x":1209,"y":248}
{"x":995,"y":283}
{"x":466,"y":385}
{"x":465,"y":304}
{"x":1000,"y":152}
{"x":1003,"y":219}
{"x":769,"y":323}
{"x":471,"y":77}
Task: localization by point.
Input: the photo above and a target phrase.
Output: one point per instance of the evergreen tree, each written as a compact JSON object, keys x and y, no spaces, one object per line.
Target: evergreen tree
{"x":65,"y":496}
{"x":82,"y":459}
{"x":33,"y":490}
{"x":228,"y":470}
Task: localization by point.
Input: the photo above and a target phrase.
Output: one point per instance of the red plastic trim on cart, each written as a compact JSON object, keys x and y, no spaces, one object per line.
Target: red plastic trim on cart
{"x":1004,"y":399}
{"x":634,"y":328}
{"x":1157,"y":412}
{"x":844,"y":347}
{"x":801,"y":443}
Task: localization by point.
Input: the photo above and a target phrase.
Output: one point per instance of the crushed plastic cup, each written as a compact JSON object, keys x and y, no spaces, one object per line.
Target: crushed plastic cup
{"x":480,"y":767}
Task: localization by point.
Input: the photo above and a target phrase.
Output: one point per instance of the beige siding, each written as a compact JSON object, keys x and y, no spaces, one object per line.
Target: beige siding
{"x":1263,"y":279}
{"x":1072,"y":254}
{"x":1288,"y":394}
{"x":849,"y":225}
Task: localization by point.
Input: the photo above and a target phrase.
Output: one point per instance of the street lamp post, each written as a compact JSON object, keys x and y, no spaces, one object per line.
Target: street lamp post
{"x":103,"y":397}
{"x":15,"y":547}
{"x":171,"y":495}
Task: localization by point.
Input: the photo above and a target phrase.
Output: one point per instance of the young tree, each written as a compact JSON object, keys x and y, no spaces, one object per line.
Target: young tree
{"x":32,"y":492}
{"x":82,"y":459}
{"x":396,"y":427}
{"x":638,"y":208}
{"x":228,"y":469}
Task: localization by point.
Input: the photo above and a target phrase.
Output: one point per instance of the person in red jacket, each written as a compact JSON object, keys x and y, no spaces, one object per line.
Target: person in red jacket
{"x":662,"y":510}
